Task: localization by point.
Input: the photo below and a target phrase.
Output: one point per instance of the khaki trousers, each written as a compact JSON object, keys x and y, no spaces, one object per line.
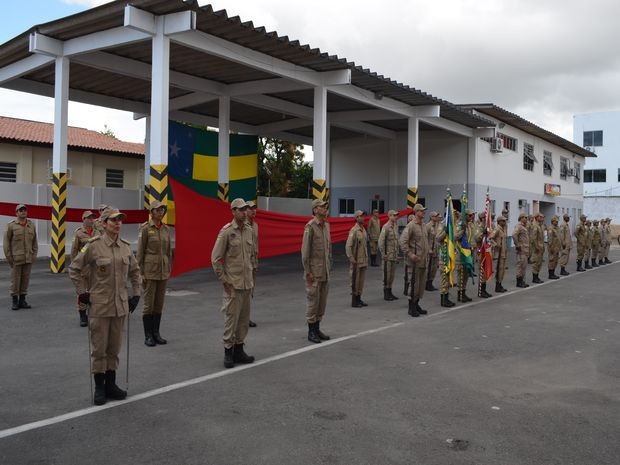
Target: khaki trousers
{"x":521,"y":264}
{"x":316,"y":295}
{"x":581,"y":250}
{"x":444,"y":283}
{"x":358,"y":277}
{"x":461,"y":277}
{"x":389,"y":272}
{"x":433,"y":265}
{"x":537,"y":259}
{"x":106,"y":337}
{"x":553,"y":260}
{"x":564,"y":256}
{"x":500,"y":271}
{"x":595,"y":252}
{"x":236,"y":308}
{"x":420,"y":283}
{"x":607,"y":249}
{"x":586,"y":254}
{"x":20,"y":278}
{"x":374,"y":247}
{"x":154,"y":293}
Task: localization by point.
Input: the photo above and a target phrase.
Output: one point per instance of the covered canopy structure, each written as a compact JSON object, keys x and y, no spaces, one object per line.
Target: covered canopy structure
{"x":171,"y":59}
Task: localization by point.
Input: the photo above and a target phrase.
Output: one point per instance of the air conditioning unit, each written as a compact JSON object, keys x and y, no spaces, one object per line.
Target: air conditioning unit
{"x":497,"y":144}
{"x":571,"y":172}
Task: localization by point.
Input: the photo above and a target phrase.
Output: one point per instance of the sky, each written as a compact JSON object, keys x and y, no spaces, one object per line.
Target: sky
{"x":544,"y":60}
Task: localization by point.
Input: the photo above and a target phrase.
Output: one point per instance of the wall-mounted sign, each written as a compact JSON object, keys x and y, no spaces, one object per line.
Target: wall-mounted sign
{"x":553,"y":189}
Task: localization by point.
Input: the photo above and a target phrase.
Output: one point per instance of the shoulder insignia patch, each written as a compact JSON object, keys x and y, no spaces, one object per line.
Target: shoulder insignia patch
{"x":96,"y":238}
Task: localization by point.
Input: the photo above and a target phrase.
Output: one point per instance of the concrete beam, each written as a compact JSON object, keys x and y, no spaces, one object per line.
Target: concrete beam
{"x":27,"y":65}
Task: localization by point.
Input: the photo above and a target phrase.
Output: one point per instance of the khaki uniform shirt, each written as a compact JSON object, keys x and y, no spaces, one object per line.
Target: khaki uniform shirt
{"x":521,"y":238}
{"x":581,"y":234}
{"x":415,"y":240}
{"x":498,"y":239}
{"x":316,"y":250}
{"x":388,"y":241}
{"x":232,"y":256}
{"x":553,"y":239}
{"x":432,"y":229}
{"x":154,"y":251}
{"x":254,"y":227}
{"x":374,"y":228}
{"x":589,"y":237}
{"x":565,"y":240}
{"x":110,"y":264}
{"x":603,"y":231}
{"x":20,"y":243}
{"x":537,"y":239}
{"x":596,"y":236}
{"x":80,"y":238}
{"x":357,"y":246}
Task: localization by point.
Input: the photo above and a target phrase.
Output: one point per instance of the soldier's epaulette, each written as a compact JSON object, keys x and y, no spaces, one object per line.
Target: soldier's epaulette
{"x":226,"y":226}
{"x":12,"y":221}
{"x":96,"y":238}
{"x":146,"y":223}
{"x":126,"y":241}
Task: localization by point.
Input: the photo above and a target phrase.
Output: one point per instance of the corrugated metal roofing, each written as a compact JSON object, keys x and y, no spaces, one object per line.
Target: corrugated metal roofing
{"x":520,"y":123}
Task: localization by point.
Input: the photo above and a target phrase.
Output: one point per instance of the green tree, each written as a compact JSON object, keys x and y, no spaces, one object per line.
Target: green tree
{"x":282,"y":171}
{"x":107,"y":131}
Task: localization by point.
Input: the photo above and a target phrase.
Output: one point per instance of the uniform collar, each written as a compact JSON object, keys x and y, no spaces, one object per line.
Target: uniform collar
{"x":109,"y":241}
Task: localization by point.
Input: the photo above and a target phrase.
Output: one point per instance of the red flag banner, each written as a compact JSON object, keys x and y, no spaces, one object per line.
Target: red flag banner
{"x":74,"y":215}
{"x":486,"y":251}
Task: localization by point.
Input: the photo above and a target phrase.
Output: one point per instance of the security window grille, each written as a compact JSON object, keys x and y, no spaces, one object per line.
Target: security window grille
{"x":114,"y":178}
{"x":8,"y":172}
{"x":346,"y":206}
{"x":528,"y":157}
{"x":563,"y":168}
{"x":594,"y":175}
{"x":377,"y":205}
{"x":547,"y":163}
{"x":592,"y":138}
{"x":577,"y":168}
{"x":510,"y":143}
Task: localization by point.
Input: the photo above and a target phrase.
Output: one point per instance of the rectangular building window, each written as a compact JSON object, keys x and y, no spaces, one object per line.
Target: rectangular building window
{"x":577,"y":168}
{"x":8,"y":172}
{"x":563,"y":168}
{"x":114,"y":178}
{"x":594,"y":175}
{"x":547,"y":163}
{"x":528,"y":157}
{"x":346,"y":206}
{"x":592,"y":138}
{"x":510,"y":143}
{"x":378,"y":205}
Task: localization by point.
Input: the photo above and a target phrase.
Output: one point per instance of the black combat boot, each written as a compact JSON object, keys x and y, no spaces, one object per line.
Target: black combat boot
{"x":361,"y":302}
{"x":321,"y":334}
{"x":229,"y":360}
{"x":413,"y":311}
{"x":156,"y":337}
{"x":355,"y":303}
{"x":465,"y":297}
{"x":239,"y":355}
{"x":386,"y":296}
{"x":251,"y":324}
{"x":594,"y":264}
{"x":15,"y":305}
{"x":420,"y":310}
{"x":607,"y":261}
{"x":392,"y":296}
{"x":499,"y":287}
{"x":579,"y":267}
{"x":536,"y":279}
{"x":445,"y":301}
{"x":483,"y":291}
{"x":312,"y":334}
{"x":429,"y":285}
{"x":563,"y":271}
{"x":521,"y":283}
{"x":112,"y":391}
{"x":83,"y":319}
{"x":373,"y":260}
{"x":22,"y":301}
{"x":147,"y":321}
{"x":601,"y":262}
{"x":552,"y":275}
{"x":587,"y":265}
{"x":100,"y":397}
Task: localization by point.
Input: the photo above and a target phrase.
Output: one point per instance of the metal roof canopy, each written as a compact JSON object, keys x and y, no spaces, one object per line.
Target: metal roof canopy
{"x":269,"y":79}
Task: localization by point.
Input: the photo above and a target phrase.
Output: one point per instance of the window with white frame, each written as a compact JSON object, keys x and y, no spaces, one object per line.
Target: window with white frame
{"x":346,"y":206}
{"x":510,"y":143}
{"x":592,"y":138}
{"x":547,"y":163}
{"x":595,"y":175}
{"x":563,"y":168}
{"x":8,"y":172}
{"x":577,"y":168}
{"x":528,"y":157}
{"x":114,"y":178}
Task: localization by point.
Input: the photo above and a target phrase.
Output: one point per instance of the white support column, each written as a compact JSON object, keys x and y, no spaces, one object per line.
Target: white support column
{"x":223,"y":150}
{"x":319,"y":144}
{"x":413,"y":143}
{"x":61,"y":109}
{"x":147,"y":161}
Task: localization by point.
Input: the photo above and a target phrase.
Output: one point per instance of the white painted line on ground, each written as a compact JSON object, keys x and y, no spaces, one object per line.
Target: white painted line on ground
{"x":190,"y":382}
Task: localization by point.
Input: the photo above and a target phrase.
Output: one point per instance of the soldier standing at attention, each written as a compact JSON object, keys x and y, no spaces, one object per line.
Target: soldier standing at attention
{"x":374,"y":229}
{"x":110,"y":263}
{"x":232,"y":262}
{"x":500,"y":252}
{"x":316,"y":258}
{"x":20,"y":249}
{"x":407,"y":274}
{"x":603,"y":246}
{"x":596,"y":242}
{"x":251,"y":218}
{"x":566,"y":243}
{"x":608,"y":241}
{"x":98,"y":224}
{"x":83,"y":234}
{"x":581,"y":236}
{"x":537,"y":241}
{"x":531,"y":222}
{"x":554,"y":244}
{"x":588,"y":248}
{"x":357,"y":253}
{"x":388,"y":246}
{"x":478,"y":236}
{"x":414,"y":244}
{"x":521,"y":240}
{"x":433,"y":228}
{"x":155,"y":260}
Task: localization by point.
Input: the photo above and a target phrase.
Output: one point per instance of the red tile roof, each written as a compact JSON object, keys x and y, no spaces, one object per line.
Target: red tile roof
{"x":35,"y":132}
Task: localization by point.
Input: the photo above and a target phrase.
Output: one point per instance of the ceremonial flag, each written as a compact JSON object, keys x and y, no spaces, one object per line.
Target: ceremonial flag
{"x":486,"y":252}
{"x":463,"y":245}
{"x":449,"y":247}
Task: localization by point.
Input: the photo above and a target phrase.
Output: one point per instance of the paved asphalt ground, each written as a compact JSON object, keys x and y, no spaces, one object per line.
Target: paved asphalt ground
{"x":530,"y":377}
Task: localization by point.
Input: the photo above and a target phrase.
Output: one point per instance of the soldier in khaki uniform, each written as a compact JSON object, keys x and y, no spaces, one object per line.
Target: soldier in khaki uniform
{"x":588,"y":248}
{"x":388,"y":246}
{"x":603,"y":245}
{"x":83,"y":234}
{"x":98,"y":224}
{"x":414,"y":245}
{"x":110,"y":264}
{"x":433,"y":228}
{"x":581,"y":234}
{"x":155,"y":259}
{"x":251,"y":219}
{"x":521,"y":240}
{"x":232,"y":262}
{"x":469,"y":230}
{"x":607,"y":241}
{"x":596,"y":243}
{"x":316,"y":258}
{"x":531,"y":222}
{"x":537,"y":242}
{"x":480,"y":229}
{"x":357,"y":252}
{"x":374,"y":229}
{"x":554,"y":245}
{"x":566,"y":243}
{"x":500,"y":252}
{"x":20,"y":249}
